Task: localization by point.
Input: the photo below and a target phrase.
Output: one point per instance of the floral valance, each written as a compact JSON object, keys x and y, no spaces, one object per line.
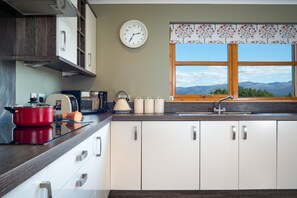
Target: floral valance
{"x":234,"y":33}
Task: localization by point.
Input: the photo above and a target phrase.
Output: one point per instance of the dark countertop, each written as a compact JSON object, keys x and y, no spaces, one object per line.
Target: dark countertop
{"x":211,"y":117}
{"x":20,"y":162}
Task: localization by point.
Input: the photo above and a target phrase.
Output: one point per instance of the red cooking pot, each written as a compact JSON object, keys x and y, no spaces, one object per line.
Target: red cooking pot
{"x":32,"y":135}
{"x":33,"y":114}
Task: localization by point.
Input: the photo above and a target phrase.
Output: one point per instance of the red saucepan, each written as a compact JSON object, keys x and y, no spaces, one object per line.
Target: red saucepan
{"x":34,"y":114}
{"x":32,"y":135}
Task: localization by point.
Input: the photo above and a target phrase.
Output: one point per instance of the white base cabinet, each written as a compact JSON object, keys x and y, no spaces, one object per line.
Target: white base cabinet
{"x":219,"y":155}
{"x":170,"y":155}
{"x":125,"y":155}
{"x":238,"y":155}
{"x":257,"y":155}
{"x":287,"y":155}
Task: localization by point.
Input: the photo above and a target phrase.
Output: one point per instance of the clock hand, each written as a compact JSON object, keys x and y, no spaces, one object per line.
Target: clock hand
{"x":134,"y":35}
{"x":131,"y":37}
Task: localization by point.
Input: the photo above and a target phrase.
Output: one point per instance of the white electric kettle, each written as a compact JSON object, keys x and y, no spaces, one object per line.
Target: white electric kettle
{"x":121,"y":103}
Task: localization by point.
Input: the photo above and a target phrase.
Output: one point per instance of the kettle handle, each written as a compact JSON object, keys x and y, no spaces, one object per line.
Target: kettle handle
{"x":10,"y":109}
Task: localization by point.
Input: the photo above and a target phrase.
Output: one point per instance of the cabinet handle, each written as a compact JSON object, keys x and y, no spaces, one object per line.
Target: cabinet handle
{"x":135,"y":133}
{"x":64,"y":41}
{"x":90,"y":59}
{"x":233,"y":132}
{"x":99,"y":138}
{"x":48,"y":187}
{"x":82,"y":156}
{"x":82,"y":180}
{"x":244,"y":128}
{"x":194,"y":133}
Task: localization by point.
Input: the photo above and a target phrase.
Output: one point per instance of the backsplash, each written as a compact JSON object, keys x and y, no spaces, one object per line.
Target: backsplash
{"x":7,"y":90}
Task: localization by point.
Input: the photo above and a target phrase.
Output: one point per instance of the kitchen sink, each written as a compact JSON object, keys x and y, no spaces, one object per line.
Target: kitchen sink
{"x":208,"y":113}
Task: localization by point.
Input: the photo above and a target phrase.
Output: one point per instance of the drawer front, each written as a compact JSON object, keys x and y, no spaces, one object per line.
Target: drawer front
{"x":61,"y":170}
{"x":82,"y":184}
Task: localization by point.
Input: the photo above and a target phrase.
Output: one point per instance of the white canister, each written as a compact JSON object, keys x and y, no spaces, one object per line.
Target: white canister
{"x":138,"y":105}
{"x":149,"y":105}
{"x":159,"y":105}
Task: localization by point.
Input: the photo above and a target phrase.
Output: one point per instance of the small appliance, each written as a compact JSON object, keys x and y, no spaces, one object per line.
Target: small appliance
{"x":62,"y":103}
{"x":90,"y":102}
{"x":122,"y":103}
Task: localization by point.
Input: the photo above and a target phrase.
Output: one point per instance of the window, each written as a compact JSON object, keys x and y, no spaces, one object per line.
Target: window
{"x":206,"y":72}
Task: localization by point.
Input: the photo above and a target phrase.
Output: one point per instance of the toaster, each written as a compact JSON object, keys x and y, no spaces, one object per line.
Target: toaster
{"x":62,"y":103}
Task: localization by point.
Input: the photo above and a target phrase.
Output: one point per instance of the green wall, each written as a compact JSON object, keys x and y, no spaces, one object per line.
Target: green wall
{"x":35,"y":80}
{"x":145,"y":71}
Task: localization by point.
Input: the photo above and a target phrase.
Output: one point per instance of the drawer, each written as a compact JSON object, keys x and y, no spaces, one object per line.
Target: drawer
{"x":61,"y":170}
{"x":86,"y":180}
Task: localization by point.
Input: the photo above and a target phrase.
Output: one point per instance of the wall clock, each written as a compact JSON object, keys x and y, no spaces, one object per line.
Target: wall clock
{"x":133,"y":33}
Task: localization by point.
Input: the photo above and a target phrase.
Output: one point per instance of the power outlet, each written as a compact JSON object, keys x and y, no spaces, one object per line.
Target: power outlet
{"x":41,"y":98}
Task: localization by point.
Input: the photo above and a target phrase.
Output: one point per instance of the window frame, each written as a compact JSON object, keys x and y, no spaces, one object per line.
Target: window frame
{"x":232,"y":63}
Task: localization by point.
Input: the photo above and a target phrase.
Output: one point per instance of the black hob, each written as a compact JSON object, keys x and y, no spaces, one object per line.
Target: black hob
{"x":11,"y":134}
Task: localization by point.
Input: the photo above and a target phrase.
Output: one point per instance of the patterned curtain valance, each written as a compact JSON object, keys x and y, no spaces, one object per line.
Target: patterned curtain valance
{"x":234,"y":33}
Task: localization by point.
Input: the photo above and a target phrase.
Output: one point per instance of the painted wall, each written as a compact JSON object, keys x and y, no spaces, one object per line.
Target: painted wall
{"x":145,"y":71}
{"x":35,"y":80}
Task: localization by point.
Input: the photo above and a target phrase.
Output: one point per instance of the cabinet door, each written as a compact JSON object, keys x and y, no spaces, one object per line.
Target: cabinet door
{"x":287,"y":152}
{"x":219,"y":155}
{"x":125,"y":155}
{"x":30,"y":188}
{"x":170,"y":155}
{"x":67,"y":38}
{"x":100,"y":170}
{"x":90,"y":59}
{"x":257,"y":155}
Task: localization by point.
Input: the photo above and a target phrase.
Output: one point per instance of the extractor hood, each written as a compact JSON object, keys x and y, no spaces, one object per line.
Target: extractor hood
{"x":43,"y":7}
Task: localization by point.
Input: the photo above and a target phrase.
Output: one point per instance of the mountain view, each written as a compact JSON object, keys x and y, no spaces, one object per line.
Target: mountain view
{"x":275,"y":88}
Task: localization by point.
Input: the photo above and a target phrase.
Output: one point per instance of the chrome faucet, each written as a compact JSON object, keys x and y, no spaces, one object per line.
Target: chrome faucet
{"x":219,"y":110}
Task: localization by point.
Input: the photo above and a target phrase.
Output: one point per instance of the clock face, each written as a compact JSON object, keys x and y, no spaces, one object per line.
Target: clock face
{"x":133,"y":34}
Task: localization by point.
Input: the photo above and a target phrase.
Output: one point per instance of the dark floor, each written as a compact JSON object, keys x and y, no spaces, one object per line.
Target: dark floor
{"x":206,"y":194}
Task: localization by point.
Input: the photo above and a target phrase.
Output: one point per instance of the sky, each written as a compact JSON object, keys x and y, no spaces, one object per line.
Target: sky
{"x":208,"y":75}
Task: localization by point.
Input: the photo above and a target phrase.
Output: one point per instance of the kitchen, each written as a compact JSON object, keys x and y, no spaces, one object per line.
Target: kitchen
{"x":138,"y":71}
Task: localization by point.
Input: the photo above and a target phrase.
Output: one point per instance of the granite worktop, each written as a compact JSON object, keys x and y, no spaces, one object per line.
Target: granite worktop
{"x":20,"y":162}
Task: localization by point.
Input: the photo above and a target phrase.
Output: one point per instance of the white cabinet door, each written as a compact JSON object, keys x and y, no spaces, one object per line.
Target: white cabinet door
{"x":100,"y":170}
{"x":257,"y":155}
{"x":287,"y":155}
{"x":170,"y":155}
{"x":125,"y":155}
{"x":90,"y":59}
{"x":219,"y":155}
{"x":31,"y":187}
{"x":66,"y":43}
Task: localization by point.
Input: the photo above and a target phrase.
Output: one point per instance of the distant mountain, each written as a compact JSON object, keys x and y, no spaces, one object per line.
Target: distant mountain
{"x":276,"y":88}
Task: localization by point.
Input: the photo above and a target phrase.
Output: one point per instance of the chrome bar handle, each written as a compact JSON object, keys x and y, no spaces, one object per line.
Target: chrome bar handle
{"x":82,"y":156}
{"x":99,"y":138}
{"x":233,"y":132}
{"x":135,"y":133}
{"x":194,"y":133}
{"x":244,"y":128}
{"x":48,"y":187}
{"x":90,"y":59}
{"x":82,"y":180}
{"x":64,"y":41}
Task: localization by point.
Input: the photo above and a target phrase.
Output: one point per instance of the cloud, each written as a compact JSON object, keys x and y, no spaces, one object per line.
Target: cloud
{"x":187,"y":76}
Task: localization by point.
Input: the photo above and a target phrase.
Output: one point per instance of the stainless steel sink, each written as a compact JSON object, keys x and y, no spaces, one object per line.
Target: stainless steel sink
{"x":212,"y":113}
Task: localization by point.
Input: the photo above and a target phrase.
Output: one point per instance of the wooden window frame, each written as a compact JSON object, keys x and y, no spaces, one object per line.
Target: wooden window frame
{"x":232,"y":63}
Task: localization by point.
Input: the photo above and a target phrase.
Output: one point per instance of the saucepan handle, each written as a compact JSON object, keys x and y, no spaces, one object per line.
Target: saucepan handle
{"x":10,"y":109}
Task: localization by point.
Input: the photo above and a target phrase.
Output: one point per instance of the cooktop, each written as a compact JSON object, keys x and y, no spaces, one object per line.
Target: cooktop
{"x":11,"y":134}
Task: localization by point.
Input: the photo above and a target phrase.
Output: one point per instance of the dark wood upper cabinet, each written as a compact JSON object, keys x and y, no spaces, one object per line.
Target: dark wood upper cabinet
{"x":52,"y":41}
